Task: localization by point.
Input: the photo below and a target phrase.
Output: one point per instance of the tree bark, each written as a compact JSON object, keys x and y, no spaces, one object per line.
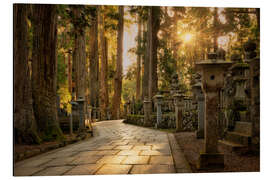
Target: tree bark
{"x":103,"y":68}
{"x":94,"y":63}
{"x":24,"y":121}
{"x":119,"y":66}
{"x":153,"y":23}
{"x":45,"y":70}
{"x":145,"y":91}
{"x":139,"y":57}
{"x":79,"y":55}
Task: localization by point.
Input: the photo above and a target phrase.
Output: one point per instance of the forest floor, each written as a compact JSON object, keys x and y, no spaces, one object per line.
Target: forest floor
{"x":234,"y":162}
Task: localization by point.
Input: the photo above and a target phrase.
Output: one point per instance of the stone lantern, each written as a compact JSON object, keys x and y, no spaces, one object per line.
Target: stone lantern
{"x":212,"y":81}
{"x":199,"y":96}
{"x":254,"y":82}
{"x":158,"y":100}
{"x":73,"y":105}
{"x":178,"y":102}
{"x":240,"y":80}
{"x":80,"y":102}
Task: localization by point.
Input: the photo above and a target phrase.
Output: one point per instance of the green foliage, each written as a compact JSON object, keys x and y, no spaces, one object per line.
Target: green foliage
{"x":61,"y":70}
{"x":166,"y":66}
{"x":128,"y":89}
{"x":65,"y":98}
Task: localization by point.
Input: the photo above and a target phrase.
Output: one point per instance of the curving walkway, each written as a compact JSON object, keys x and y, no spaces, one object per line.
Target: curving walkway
{"x":116,"y":148}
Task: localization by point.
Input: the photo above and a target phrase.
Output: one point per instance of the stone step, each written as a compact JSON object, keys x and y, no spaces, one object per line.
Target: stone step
{"x":231,"y":146}
{"x":243,"y":127}
{"x":238,"y":138}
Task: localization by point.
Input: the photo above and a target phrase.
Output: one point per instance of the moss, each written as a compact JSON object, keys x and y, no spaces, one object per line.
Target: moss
{"x":242,"y":65}
{"x":35,"y":136}
{"x":53,"y":133}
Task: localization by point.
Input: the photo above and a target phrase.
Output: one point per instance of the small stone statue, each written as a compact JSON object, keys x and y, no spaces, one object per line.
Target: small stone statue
{"x":175,"y":83}
{"x":250,"y":48}
{"x":235,"y":57}
{"x":221,"y":53}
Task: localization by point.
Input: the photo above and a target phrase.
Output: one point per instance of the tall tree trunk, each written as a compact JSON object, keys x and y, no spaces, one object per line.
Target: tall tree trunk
{"x":45,"y":70}
{"x":119,"y":66}
{"x":139,"y":57}
{"x":146,"y":63}
{"x":94,"y":63}
{"x":24,"y":121}
{"x":103,"y":68}
{"x":153,"y":23}
{"x":69,"y":73}
{"x":79,"y":55}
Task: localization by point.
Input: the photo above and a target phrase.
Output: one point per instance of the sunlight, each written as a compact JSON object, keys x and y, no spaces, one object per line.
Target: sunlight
{"x":187,"y":37}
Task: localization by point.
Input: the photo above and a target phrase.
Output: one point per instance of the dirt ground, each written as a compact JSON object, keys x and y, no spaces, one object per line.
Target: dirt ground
{"x":234,"y":162}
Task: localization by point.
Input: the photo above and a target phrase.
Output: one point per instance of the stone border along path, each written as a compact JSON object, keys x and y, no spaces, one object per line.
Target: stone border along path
{"x":116,"y":148}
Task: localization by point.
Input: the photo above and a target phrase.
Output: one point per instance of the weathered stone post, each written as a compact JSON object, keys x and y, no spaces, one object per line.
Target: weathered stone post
{"x":80,"y":102}
{"x":73,"y":103}
{"x":128,"y":108}
{"x":212,"y":81}
{"x":147,"y":106}
{"x":197,"y":89}
{"x":254,"y":62}
{"x":178,"y":98}
{"x":159,"y":100}
{"x":90,"y":116}
{"x":125,"y":111}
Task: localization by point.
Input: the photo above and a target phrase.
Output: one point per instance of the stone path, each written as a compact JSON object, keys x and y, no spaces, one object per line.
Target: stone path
{"x":116,"y":148}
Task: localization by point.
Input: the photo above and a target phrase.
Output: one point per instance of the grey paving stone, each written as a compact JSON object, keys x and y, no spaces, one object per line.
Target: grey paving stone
{"x":141,"y":148}
{"x":26,"y":171}
{"x":86,"y":160}
{"x":154,"y":152}
{"x":129,"y":152}
{"x":114,"y":169}
{"x":111,"y":159}
{"x":161,"y":160}
{"x":152,"y":169}
{"x":125,"y":147}
{"x":54,"y":171}
{"x":60,"y":162}
{"x":136,"y":160}
{"x":86,"y":169}
{"x":108,"y":152}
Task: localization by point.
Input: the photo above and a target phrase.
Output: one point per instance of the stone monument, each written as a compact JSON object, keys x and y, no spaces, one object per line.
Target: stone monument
{"x":212,"y":81}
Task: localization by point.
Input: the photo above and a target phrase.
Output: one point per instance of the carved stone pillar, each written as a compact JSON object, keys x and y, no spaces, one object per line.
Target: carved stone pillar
{"x":178,"y":103}
{"x":212,"y":81}
{"x":159,"y":100}
{"x":147,"y":106}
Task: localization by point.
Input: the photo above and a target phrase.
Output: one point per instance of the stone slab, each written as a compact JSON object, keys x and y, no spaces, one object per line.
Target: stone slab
{"x":125,"y":147}
{"x":152,"y":169}
{"x":154,"y":152}
{"x":106,"y":147}
{"x":111,"y":159}
{"x":168,"y":160}
{"x":54,"y":171}
{"x":86,"y":160}
{"x":26,"y":171}
{"x":141,"y":148}
{"x":87,"y":169}
{"x":114,"y":169}
{"x":108,"y":152}
{"x":60,"y":162}
{"x":129,"y":152}
{"x":136,"y":160}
